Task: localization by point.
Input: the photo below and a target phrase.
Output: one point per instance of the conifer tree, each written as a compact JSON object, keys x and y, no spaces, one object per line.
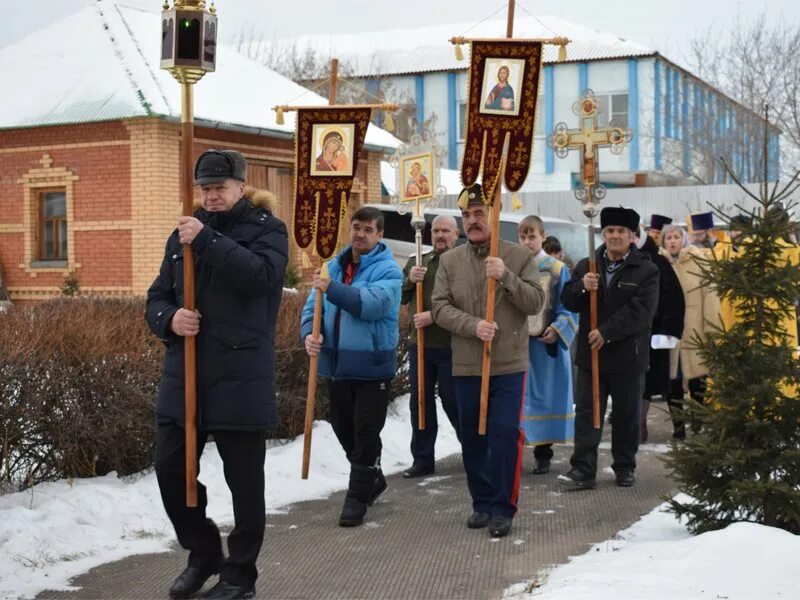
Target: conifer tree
{"x":744,"y":465}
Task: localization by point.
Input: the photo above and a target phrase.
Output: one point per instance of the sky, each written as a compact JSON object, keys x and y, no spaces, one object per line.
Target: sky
{"x":667,"y":25}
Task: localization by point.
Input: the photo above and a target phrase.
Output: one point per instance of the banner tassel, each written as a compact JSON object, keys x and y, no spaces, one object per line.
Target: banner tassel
{"x":305,"y":260}
{"x":279,"y":116}
{"x":562,"y":53}
{"x":516,"y":203}
{"x":459,"y":52}
{"x":388,"y":122}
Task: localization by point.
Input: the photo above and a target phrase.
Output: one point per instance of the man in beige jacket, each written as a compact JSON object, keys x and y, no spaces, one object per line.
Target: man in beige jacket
{"x":492,"y":462}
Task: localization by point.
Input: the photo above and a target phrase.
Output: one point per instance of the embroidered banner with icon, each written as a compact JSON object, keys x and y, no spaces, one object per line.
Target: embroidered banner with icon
{"x":329,"y":142}
{"x":504,"y":81}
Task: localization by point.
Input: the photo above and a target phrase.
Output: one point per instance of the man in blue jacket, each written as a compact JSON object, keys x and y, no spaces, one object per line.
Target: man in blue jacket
{"x":240,"y":258}
{"x":358,"y":352}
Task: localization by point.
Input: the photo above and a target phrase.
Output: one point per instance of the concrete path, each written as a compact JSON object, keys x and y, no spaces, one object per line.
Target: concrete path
{"x":415,"y":543}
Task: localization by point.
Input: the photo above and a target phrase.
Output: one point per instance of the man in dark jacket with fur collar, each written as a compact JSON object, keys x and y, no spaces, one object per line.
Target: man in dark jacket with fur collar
{"x":627,"y":297}
{"x":240,"y":252}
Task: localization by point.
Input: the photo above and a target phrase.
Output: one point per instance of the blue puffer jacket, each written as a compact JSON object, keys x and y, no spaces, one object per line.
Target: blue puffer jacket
{"x":360,"y":320}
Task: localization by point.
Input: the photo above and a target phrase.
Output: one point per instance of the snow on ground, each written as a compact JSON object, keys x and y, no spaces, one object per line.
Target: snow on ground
{"x":657,"y":559}
{"x":56,"y":531}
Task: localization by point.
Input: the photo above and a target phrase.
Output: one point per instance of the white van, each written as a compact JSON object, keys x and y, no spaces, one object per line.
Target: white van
{"x":398,"y":233}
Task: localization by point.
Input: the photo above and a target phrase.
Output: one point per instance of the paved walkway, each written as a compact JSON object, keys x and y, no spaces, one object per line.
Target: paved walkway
{"x":415,"y":543}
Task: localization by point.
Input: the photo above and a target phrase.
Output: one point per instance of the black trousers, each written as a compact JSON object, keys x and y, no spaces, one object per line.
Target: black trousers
{"x":697,"y":391}
{"x":543,"y":451}
{"x":242,"y":454}
{"x":626,"y":393}
{"x":438,"y":370}
{"x":357,"y":415}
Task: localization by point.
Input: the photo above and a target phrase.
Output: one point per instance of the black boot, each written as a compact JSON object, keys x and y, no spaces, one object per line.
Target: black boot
{"x":225,"y":590}
{"x":379,"y":486}
{"x":190,"y":581}
{"x":362,"y":486}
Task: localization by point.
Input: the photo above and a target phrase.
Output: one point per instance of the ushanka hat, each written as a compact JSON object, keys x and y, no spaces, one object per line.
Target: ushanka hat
{"x":470,"y":195}
{"x":619,"y":216}
{"x":657,"y":222}
{"x":702,"y":221}
{"x":215,"y":166}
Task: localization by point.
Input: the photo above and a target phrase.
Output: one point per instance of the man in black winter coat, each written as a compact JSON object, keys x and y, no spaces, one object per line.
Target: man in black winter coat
{"x":627,"y":296}
{"x":240,"y":252}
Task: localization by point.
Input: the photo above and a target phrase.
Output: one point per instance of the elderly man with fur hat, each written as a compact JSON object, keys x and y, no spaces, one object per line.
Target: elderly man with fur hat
{"x":492,"y":461}
{"x":240,"y":254}
{"x":627,"y":297}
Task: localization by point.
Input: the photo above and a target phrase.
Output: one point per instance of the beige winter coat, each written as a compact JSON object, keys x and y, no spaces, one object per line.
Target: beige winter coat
{"x":459,"y":303}
{"x":702,"y":307}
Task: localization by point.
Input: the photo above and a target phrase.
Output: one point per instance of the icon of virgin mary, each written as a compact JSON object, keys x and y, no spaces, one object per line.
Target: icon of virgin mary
{"x":333,"y":157}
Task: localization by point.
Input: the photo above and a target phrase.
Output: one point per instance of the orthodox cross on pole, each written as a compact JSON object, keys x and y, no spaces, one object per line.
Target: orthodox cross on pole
{"x":589,"y":139}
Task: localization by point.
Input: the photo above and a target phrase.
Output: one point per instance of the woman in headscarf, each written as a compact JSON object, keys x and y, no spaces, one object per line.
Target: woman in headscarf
{"x":687,"y":369}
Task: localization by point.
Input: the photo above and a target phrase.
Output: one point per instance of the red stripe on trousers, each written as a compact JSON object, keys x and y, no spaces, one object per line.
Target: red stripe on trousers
{"x":520,"y":445}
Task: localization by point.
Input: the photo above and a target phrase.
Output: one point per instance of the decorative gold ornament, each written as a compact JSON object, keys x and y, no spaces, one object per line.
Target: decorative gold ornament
{"x":589,"y":139}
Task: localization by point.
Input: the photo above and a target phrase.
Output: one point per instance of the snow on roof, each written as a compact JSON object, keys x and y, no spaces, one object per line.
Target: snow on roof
{"x":425,"y":49}
{"x":102,"y":63}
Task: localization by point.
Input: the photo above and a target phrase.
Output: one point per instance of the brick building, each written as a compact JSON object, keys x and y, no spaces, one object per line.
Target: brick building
{"x":90,"y":150}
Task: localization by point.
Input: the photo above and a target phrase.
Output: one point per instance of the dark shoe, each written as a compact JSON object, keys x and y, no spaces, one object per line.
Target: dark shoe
{"x":225,"y":590}
{"x":478,"y":520}
{"x":361,"y":488}
{"x":499,"y":526}
{"x":190,"y":581}
{"x":579,"y":480}
{"x":625,"y":478}
{"x":542,"y":466}
{"x":679,"y":431}
{"x":418,"y":471}
{"x":353,"y":512}
{"x":378,"y":487}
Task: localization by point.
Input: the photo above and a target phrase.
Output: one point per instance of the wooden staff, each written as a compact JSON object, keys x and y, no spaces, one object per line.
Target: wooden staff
{"x":593,"y":317}
{"x":491,"y":283}
{"x":313,"y":363}
{"x":189,"y":341}
{"x":418,"y":222}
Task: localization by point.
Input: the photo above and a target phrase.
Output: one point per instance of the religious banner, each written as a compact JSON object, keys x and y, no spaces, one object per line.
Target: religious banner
{"x":418,"y":168}
{"x":329,"y":141}
{"x":504,"y":78}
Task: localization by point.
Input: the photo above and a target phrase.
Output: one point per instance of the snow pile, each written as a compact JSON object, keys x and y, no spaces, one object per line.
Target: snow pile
{"x":56,"y":531}
{"x":657,"y":559}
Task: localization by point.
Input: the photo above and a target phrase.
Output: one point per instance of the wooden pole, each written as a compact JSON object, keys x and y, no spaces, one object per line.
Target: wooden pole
{"x":491,"y":284}
{"x":419,"y":223}
{"x":593,"y":324}
{"x":189,"y":341}
{"x":313,"y":363}
{"x":311,"y":395}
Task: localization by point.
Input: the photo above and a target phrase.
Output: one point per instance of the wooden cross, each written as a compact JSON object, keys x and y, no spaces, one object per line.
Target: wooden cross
{"x":588,"y":139}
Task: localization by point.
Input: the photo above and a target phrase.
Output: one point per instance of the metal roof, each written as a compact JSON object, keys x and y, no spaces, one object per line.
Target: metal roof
{"x":427,"y":49}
